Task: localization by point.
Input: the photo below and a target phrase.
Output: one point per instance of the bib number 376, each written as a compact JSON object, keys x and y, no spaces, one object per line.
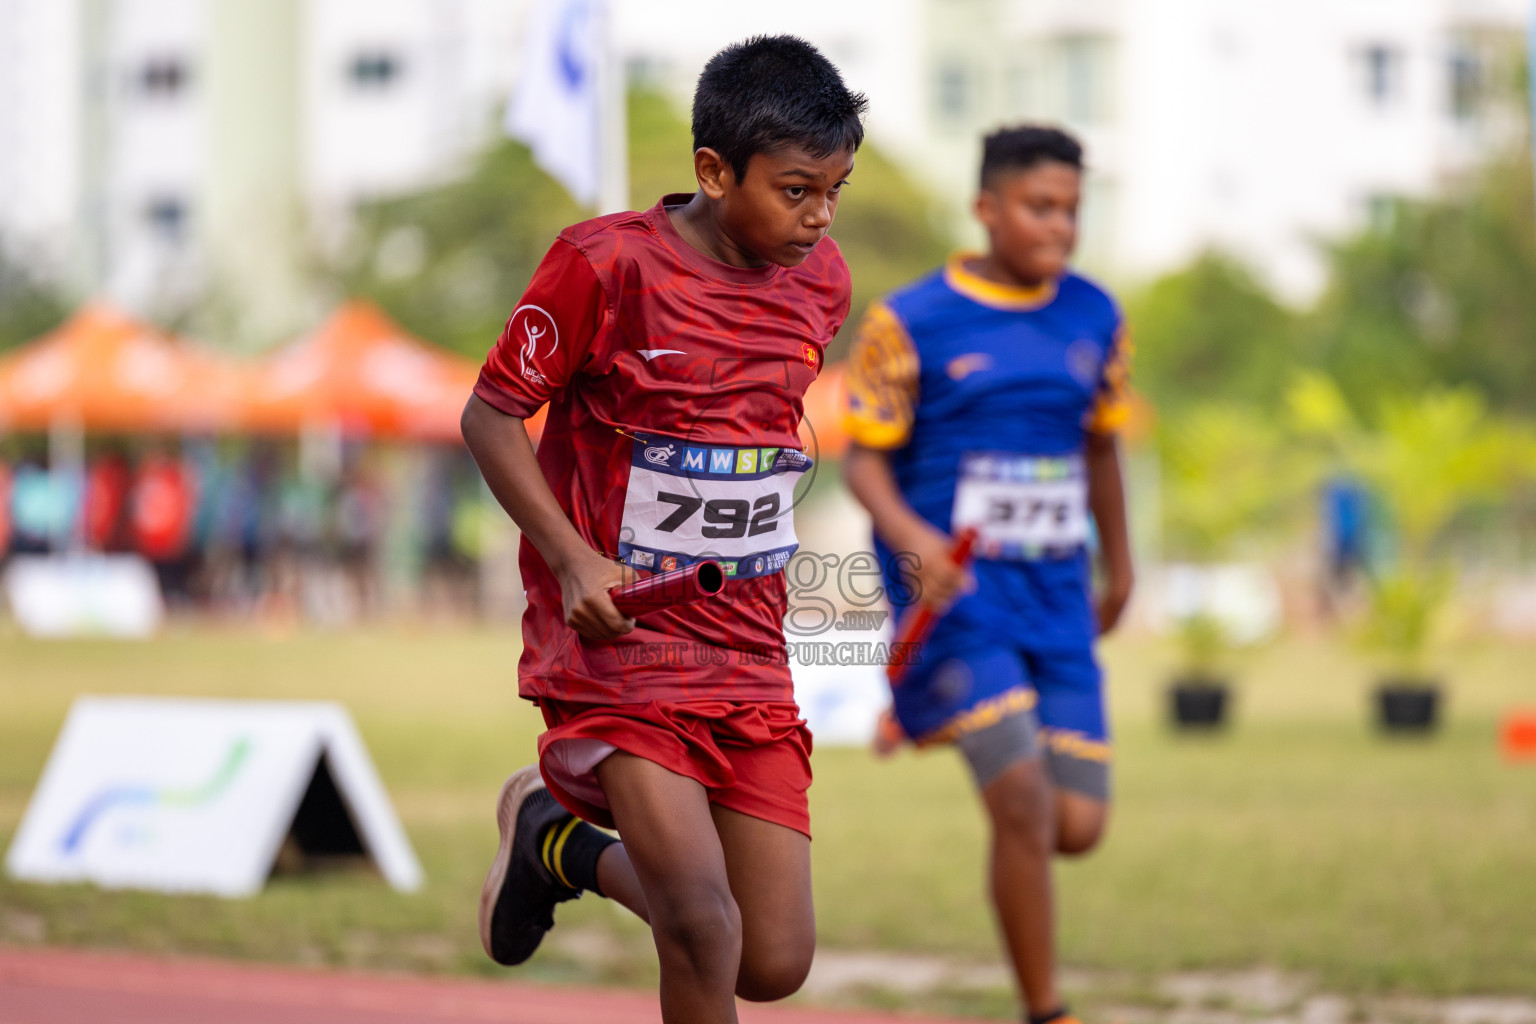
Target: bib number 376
{"x":1022,"y":507}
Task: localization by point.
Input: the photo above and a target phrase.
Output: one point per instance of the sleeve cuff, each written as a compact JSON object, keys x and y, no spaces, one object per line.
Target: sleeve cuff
{"x":504,"y":401}
{"x":868,"y":433}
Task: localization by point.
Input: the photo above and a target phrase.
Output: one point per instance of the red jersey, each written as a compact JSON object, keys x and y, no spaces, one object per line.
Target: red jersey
{"x":675,"y":385}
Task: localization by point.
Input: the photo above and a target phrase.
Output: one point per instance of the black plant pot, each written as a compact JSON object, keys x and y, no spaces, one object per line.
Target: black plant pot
{"x":1198,"y":702}
{"x":1408,"y":705}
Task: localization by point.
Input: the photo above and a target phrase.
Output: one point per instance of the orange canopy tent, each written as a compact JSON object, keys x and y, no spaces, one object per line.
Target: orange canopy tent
{"x":103,"y":370}
{"x":362,"y":373}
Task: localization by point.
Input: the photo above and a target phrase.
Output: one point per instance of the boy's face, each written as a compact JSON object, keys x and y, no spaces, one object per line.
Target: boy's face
{"x":782,"y":206}
{"x":1031,"y":218}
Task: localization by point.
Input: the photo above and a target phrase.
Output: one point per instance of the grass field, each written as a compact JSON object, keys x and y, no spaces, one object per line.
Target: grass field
{"x":1298,"y":839}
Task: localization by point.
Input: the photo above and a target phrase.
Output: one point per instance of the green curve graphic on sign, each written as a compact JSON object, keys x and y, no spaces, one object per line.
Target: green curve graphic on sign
{"x":140,"y":795}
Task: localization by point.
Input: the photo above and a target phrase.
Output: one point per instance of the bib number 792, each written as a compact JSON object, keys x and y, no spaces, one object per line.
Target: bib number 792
{"x":726,"y":518}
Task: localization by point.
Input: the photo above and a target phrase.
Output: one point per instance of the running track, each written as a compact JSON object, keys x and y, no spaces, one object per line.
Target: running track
{"x":51,"y":986}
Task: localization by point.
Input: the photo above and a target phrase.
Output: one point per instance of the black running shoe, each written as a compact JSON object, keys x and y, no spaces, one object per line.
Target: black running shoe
{"x":517,"y":902}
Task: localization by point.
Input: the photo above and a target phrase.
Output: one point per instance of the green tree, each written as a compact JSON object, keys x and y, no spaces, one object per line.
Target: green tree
{"x":1228,"y":481}
{"x":449,"y":262}
{"x":1211,"y":329}
{"x":28,"y":305}
{"x":1441,"y":294}
{"x":890,"y":232}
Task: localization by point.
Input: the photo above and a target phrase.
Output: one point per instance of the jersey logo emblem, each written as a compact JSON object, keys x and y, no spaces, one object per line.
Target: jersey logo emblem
{"x":668,"y":563}
{"x":660,"y":456}
{"x":962,"y":367}
{"x":652,"y":353}
{"x":808,"y":351}
{"x":1083,"y":360}
{"x":536,"y":323}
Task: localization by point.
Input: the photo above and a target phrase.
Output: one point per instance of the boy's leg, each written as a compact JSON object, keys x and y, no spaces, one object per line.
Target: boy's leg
{"x":677,"y":857}
{"x":1015,"y":787}
{"x":1077,"y":753}
{"x":769,"y":866}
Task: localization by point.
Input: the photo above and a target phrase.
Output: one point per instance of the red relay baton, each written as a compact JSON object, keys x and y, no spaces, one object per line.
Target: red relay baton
{"x":918,"y":623}
{"x":679,"y":586}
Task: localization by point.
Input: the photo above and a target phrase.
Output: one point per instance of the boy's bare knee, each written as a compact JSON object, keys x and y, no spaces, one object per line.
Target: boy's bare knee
{"x":1077,"y":838}
{"x":1019,"y":804}
{"x":1080,"y":823}
{"x":775,"y":974}
{"x":701,"y":924}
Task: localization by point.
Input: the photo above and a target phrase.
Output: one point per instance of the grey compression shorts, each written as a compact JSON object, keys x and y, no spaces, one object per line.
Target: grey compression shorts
{"x":993,"y":748}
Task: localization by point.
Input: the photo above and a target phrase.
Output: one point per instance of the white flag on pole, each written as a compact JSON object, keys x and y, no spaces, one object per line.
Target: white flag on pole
{"x":558,"y":106}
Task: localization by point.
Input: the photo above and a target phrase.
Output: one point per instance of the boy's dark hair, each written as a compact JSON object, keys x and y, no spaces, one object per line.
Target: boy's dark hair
{"x":770,"y":92}
{"x":1018,"y":149}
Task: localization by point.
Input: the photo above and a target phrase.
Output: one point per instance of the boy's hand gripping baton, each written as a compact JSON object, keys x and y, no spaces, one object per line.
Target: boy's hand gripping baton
{"x":919,"y":621}
{"x":680,"y":586}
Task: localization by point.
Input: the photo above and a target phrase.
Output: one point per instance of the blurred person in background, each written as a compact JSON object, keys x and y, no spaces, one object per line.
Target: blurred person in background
{"x":5,"y":509}
{"x":1346,"y":520}
{"x":988,"y":396}
{"x":161,"y":510}
{"x":450,"y":533}
{"x":45,"y":509}
{"x":358,"y":512}
{"x":298,"y":556}
{"x":106,"y":502}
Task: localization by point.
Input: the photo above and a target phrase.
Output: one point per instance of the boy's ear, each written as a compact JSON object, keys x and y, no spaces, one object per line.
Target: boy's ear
{"x":986,"y":207}
{"x":713,"y":171}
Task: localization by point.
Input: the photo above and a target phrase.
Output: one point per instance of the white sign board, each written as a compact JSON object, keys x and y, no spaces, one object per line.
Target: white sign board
{"x":74,"y":595}
{"x":185,"y":795}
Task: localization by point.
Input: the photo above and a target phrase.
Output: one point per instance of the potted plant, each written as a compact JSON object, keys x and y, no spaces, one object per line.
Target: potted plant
{"x":1428,"y":459}
{"x":1403,"y":610}
{"x":1198,"y":694}
{"x":1225,"y":485}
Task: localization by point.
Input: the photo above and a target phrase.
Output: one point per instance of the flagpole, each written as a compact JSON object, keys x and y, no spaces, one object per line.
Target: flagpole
{"x":613,"y":141}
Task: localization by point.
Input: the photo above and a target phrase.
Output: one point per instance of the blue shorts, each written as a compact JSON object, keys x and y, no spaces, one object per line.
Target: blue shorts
{"x":968,"y":681}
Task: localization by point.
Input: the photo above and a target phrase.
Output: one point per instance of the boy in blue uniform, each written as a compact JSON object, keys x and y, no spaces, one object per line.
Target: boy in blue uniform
{"x":989,"y":395}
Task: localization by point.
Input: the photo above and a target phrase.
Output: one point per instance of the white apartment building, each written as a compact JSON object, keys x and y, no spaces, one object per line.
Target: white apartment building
{"x":148,"y":146}
{"x":1260,"y":127}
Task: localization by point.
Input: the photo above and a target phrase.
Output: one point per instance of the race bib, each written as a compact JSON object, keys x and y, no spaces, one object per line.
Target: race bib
{"x":1023,"y":507}
{"x":686,"y":504}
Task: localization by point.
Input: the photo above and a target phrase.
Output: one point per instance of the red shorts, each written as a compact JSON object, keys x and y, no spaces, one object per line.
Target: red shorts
{"x":753,"y":758}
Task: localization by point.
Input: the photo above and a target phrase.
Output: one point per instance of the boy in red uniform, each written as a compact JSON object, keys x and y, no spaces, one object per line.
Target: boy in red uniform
{"x":673,"y":347}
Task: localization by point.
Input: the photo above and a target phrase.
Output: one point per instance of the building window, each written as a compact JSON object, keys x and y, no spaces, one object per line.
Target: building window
{"x":1381,"y":73}
{"x":1379,"y":211}
{"x":163,"y":77}
{"x":1023,"y":90}
{"x":954,"y":91}
{"x":1466,"y":84}
{"x":167,"y":217}
{"x":375,"y":70}
{"x":1085,"y":80}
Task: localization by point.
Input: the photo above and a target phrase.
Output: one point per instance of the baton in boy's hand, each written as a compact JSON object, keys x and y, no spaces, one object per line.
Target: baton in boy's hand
{"x":919,"y":621}
{"x":664,"y":590}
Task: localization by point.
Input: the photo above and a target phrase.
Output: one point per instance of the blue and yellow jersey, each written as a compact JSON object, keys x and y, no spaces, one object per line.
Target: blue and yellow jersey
{"x":961,"y":379}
